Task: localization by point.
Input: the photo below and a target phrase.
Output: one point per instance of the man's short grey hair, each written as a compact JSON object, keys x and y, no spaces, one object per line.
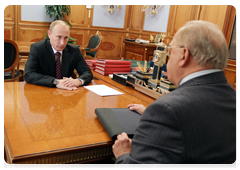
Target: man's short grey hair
{"x":205,"y":42}
{"x":54,"y":23}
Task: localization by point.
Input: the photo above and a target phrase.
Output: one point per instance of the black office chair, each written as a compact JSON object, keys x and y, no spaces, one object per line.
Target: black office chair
{"x":90,"y":50}
{"x":11,"y":60}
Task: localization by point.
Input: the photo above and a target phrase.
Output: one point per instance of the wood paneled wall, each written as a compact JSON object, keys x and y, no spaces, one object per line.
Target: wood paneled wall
{"x":221,"y":15}
{"x":112,"y":45}
{"x":10,"y":16}
{"x":82,"y":30}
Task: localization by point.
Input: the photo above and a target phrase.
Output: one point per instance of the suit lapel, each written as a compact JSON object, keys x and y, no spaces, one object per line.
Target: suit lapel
{"x":65,"y":62}
{"x":51,"y":58}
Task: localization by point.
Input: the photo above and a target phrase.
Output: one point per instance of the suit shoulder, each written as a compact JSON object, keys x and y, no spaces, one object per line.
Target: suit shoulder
{"x":73,"y":48}
{"x":40,"y":43}
{"x":172,"y":98}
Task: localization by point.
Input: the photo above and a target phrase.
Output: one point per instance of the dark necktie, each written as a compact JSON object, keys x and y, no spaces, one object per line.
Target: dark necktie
{"x":58,"y":66}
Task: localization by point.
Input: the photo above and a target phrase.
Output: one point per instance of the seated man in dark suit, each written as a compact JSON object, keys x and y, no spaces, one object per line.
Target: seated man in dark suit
{"x":51,"y":62}
{"x":195,"y":123}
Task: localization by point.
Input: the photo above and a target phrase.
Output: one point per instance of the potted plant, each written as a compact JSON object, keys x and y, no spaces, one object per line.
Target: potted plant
{"x":59,"y":12}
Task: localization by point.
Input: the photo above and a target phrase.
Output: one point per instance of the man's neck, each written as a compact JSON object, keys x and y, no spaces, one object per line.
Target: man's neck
{"x":54,"y":51}
{"x":197,"y":74}
{"x":190,"y":68}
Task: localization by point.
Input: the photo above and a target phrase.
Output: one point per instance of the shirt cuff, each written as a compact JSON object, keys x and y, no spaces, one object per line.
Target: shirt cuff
{"x":81,"y":81}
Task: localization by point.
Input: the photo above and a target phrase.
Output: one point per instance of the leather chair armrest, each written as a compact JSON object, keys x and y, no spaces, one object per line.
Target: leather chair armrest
{"x":87,"y":49}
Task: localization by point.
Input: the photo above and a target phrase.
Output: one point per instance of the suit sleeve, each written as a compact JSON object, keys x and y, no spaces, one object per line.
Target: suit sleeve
{"x":83,"y":69}
{"x":158,"y":138}
{"x":33,"y":71}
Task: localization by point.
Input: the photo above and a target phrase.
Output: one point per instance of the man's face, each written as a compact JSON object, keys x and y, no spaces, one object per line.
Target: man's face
{"x":173,"y":70}
{"x":59,"y":37}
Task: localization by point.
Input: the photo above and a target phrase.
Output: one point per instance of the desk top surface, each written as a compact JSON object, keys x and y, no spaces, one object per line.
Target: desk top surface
{"x":126,"y":89}
{"x":39,"y":119}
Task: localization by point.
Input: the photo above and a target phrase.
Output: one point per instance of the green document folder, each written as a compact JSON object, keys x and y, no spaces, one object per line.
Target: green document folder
{"x":118,"y":120}
{"x":134,"y":63}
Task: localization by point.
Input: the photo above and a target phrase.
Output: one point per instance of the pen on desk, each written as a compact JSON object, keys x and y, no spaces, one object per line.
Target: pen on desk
{"x":145,"y":66}
{"x":140,"y":66}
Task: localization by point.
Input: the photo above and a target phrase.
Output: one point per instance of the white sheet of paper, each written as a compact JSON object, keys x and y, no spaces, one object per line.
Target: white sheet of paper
{"x":103,"y":90}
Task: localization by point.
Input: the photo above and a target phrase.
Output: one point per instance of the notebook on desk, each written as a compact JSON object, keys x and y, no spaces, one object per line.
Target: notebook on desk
{"x":118,"y":120}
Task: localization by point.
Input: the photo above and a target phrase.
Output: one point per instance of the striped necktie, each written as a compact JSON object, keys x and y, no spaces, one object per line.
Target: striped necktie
{"x":58,"y":66}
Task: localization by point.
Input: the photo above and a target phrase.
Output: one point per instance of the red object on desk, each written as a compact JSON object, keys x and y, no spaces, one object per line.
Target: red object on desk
{"x":113,"y":62}
{"x":105,"y":73}
{"x":109,"y":69}
{"x":107,"y":66}
{"x":91,"y":64}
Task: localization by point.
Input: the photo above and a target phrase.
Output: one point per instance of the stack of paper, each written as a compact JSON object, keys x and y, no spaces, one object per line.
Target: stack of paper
{"x":102,"y":90}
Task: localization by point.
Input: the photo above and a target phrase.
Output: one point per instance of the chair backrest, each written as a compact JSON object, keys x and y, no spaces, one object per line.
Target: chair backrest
{"x":93,"y":43}
{"x":11,"y":55}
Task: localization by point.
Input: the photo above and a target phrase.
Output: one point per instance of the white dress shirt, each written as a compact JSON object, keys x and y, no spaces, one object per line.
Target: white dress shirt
{"x":197,"y":74}
{"x":54,"y":51}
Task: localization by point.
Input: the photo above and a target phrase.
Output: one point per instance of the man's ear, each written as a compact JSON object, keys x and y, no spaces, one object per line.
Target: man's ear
{"x":49,"y":33}
{"x":185,"y":57}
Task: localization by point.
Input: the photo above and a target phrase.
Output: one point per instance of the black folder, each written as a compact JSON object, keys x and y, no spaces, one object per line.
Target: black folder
{"x":118,"y":120}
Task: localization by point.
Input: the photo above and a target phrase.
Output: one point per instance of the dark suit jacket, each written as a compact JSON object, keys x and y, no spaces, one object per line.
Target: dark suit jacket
{"x":196,"y":123}
{"x":40,"y":67}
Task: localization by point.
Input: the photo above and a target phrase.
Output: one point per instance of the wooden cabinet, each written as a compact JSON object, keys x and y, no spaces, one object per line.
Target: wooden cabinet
{"x":136,"y":51}
{"x":133,"y":56}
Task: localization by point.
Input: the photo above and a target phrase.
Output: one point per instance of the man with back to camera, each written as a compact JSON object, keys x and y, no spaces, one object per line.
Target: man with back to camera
{"x":195,"y":123}
{"x":51,"y":62}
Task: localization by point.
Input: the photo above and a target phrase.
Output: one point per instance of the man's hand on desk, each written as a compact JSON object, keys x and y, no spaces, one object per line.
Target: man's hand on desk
{"x":137,"y":107}
{"x":122,"y":145}
{"x":69,"y":83}
{"x":62,"y":85}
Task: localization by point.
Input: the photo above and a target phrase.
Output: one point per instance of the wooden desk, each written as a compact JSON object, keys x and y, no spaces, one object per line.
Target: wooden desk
{"x":136,"y":51}
{"x":50,"y":125}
